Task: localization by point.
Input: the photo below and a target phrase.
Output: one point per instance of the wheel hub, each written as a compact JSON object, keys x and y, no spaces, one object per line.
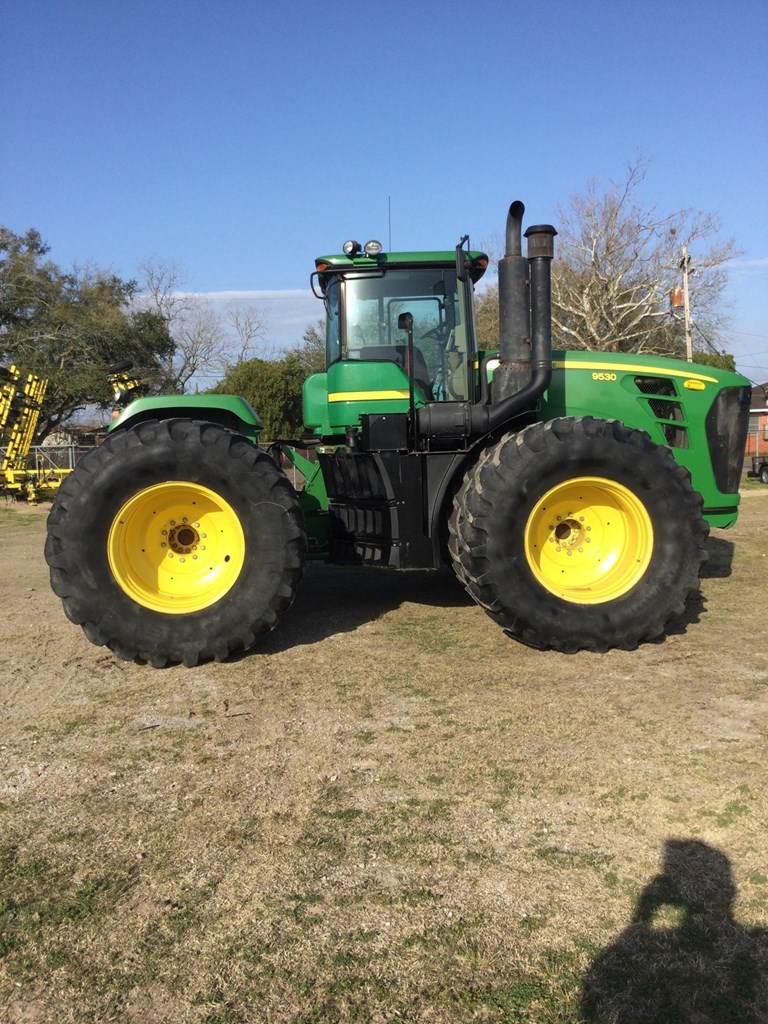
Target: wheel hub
{"x":569,"y":534}
{"x":176,"y":547}
{"x":181,"y":537}
{"x":589,"y":540}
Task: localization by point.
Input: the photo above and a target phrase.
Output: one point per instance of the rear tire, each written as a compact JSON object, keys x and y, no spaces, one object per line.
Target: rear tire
{"x":175,"y":541}
{"x":579,"y":534}
{"x":764,"y":475}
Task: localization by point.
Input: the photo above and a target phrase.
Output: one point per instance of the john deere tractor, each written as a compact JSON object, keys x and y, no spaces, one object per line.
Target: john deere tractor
{"x":572,"y":492}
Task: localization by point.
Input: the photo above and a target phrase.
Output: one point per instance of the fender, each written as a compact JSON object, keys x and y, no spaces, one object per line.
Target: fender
{"x":230,"y":411}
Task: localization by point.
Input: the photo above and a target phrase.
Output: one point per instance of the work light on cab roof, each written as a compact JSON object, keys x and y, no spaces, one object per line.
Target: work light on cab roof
{"x":352,"y":248}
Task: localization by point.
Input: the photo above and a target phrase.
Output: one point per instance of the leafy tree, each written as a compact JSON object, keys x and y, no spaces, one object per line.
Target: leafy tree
{"x":68,"y":327}
{"x":274,"y":386}
{"x":274,"y":389}
{"x":721,"y":360}
{"x":311,"y":353}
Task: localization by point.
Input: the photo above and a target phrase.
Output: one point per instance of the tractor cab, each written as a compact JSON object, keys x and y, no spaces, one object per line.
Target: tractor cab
{"x":399,"y":332}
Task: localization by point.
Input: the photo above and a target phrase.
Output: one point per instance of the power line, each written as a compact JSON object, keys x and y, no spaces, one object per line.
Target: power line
{"x":746,"y":334}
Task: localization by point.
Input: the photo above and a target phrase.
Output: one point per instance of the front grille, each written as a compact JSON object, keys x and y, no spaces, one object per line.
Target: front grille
{"x":656,"y":386}
{"x":665,"y":410}
{"x":726,"y":425}
{"x":676,"y":437}
{"x":664,"y":406}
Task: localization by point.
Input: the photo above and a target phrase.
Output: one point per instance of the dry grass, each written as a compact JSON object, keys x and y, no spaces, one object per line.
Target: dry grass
{"x":390,"y":812}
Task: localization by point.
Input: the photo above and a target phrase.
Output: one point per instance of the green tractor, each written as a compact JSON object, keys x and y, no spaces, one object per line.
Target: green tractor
{"x":572,"y":492}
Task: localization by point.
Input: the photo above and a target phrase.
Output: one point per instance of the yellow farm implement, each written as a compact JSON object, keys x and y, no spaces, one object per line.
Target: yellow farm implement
{"x":21,"y":398}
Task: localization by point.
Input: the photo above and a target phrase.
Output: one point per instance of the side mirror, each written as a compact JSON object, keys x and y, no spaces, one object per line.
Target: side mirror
{"x":462,"y":272}
{"x":405,"y":322}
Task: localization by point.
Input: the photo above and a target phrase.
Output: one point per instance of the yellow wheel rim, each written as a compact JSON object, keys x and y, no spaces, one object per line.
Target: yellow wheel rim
{"x":589,"y":540}
{"x":176,"y":547}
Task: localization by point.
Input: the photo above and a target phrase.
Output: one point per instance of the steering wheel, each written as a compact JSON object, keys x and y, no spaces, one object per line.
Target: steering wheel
{"x":438,"y":332}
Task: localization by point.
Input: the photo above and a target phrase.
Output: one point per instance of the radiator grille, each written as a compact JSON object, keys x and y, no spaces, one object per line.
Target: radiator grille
{"x":663,"y":388}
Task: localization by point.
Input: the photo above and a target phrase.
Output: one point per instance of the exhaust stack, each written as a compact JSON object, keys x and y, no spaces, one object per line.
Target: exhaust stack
{"x":525,"y":308}
{"x":525,"y":339}
{"x":514,"y":369}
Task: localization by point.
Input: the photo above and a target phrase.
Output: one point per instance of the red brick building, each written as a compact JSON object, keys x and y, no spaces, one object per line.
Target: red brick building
{"x":757,"y":438}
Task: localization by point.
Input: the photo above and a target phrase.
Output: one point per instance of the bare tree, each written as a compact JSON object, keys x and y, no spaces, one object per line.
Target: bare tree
{"x":206,"y":343}
{"x":617,"y":262}
{"x":248,"y":325}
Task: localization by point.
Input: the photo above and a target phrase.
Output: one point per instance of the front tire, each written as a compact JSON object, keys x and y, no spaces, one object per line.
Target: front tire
{"x":175,"y":541}
{"x":579,"y":534}
{"x":764,"y":475}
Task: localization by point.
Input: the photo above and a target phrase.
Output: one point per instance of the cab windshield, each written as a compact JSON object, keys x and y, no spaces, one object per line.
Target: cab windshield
{"x":363,"y":310}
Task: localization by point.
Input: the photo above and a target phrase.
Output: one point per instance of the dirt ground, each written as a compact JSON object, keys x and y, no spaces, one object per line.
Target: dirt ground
{"x":386,"y":812}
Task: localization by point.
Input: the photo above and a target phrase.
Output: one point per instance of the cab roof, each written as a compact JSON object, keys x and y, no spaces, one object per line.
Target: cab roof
{"x":477,"y":262}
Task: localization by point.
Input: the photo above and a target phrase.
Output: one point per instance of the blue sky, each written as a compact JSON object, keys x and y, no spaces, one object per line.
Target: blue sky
{"x":242,"y":139}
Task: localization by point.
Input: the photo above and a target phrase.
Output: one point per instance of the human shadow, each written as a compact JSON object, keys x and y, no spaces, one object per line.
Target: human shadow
{"x":684,"y":959}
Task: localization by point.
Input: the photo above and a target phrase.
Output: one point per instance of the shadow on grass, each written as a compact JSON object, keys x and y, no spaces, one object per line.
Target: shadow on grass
{"x":335,"y":599}
{"x":718,"y":566}
{"x":720,"y":563}
{"x":683,"y":959}
{"x":339,"y":599}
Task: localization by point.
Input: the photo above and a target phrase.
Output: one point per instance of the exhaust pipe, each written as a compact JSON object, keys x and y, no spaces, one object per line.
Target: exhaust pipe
{"x":514,"y":369}
{"x":525,"y":339}
{"x":526,"y":361}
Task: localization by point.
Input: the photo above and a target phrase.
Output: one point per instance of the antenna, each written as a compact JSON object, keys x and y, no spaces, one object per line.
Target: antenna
{"x":389,"y":215}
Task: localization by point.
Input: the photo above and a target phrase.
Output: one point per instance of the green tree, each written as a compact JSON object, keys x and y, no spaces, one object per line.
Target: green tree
{"x":68,"y":327}
{"x":721,"y":360}
{"x":273,"y":387}
{"x":311,"y":352}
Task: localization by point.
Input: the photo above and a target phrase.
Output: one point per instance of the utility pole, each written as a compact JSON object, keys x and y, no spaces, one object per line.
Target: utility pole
{"x":684,"y":266}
